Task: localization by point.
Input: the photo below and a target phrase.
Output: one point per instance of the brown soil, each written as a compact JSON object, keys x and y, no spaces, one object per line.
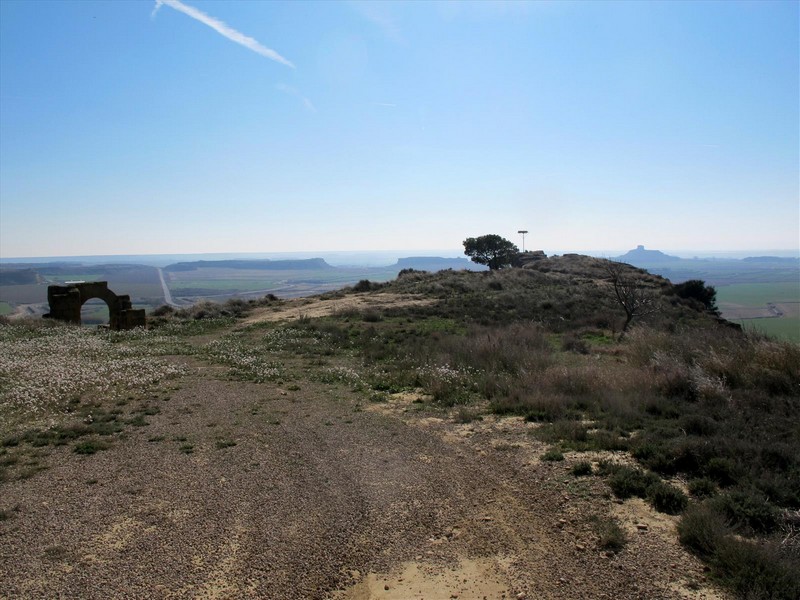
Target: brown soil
{"x":325,"y":495}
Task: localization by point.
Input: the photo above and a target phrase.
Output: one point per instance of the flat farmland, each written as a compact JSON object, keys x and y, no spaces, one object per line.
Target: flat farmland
{"x":36,"y":293}
{"x":784,"y":328}
{"x":220,"y":282}
{"x":28,"y":293}
{"x":772,"y":308}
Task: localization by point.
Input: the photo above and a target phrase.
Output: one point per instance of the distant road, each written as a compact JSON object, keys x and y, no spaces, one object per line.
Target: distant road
{"x":167,"y":294}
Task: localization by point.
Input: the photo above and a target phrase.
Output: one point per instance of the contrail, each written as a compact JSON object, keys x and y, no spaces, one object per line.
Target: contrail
{"x":288,"y":89}
{"x":223,"y":29}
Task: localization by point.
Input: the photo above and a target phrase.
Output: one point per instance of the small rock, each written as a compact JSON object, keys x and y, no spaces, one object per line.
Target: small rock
{"x":642,"y":526}
{"x":562,"y":580}
{"x":580,"y":547}
{"x":521,"y":596}
{"x":386,"y":587}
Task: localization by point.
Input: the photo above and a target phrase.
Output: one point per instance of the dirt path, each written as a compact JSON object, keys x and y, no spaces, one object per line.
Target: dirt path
{"x":243,"y":490}
{"x":316,"y":307}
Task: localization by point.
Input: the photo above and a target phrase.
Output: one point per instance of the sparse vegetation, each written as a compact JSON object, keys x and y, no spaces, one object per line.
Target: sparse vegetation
{"x":610,"y":535}
{"x":687,"y":397}
{"x":582,"y":468}
{"x":667,"y":498}
{"x":634,"y":297}
{"x":553,"y":455}
{"x":765,"y":569}
{"x":89,"y":447}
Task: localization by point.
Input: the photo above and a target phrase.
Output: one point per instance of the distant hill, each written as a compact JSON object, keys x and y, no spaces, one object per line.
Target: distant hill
{"x":643,"y":256}
{"x":773,"y":260}
{"x":437,"y":263}
{"x":715,"y":271}
{"x":18,"y":276}
{"x":265,"y":264}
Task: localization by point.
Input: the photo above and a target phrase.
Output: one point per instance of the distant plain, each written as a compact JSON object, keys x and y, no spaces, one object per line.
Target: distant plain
{"x":760,"y":295}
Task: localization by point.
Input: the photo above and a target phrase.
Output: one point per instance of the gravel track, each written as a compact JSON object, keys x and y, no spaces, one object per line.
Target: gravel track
{"x":315,"y":493}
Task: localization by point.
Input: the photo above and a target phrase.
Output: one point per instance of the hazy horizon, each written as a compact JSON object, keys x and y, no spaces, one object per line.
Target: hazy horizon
{"x":196,"y":126}
{"x":369,"y":258}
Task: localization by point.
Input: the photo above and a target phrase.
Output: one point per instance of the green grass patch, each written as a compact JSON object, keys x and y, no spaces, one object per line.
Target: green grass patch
{"x":758,"y":294}
{"x":784,"y":328}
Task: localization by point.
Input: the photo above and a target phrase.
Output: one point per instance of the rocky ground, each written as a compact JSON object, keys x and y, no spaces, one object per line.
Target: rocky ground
{"x":237,"y":489}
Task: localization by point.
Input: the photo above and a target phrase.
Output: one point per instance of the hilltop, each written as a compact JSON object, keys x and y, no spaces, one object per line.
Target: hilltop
{"x":641,"y":255}
{"x":468,"y":433}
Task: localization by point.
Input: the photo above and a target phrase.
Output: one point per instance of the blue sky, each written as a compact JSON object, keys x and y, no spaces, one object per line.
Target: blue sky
{"x":306,"y":126}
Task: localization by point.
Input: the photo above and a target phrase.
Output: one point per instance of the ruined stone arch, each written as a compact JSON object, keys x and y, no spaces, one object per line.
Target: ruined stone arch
{"x":66,"y":302}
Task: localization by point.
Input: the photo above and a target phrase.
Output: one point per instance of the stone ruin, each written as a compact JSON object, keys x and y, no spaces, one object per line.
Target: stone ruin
{"x":526,"y":258}
{"x":66,"y":302}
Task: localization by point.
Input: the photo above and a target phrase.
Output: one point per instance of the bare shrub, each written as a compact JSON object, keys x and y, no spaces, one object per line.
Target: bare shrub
{"x":581,"y":468}
{"x":708,"y":363}
{"x":701,"y":530}
{"x":235,"y":307}
{"x":371,"y":315}
{"x":365,"y":285}
{"x":667,"y":498}
{"x":511,"y":349}
{"x":626,"y":482}
{"x":535,"y":405}
{"x":575,"y":381}
{"x":466,"y":414}
{"x":751,"y":570}
{"x":163,"y":311}
{"x":553,"y":455}
{"x":447,"y":384}
{"x":610,"y":534}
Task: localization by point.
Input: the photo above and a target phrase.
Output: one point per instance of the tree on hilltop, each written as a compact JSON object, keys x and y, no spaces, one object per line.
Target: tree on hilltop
{"x":491,"y":250}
